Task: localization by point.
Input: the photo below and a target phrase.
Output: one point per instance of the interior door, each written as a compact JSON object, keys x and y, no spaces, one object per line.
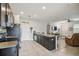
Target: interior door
{"x":26,"y":32}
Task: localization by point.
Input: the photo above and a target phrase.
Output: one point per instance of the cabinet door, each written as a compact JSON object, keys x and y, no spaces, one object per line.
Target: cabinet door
{"x":6,"y":15}
{"x":12,"y":51}
{"x":0,"y":14}
{"x":43,"y":41}
{"x":3,"y":13}
{"x":46,"y":42}
{"x":51,"y":43}
{"x":38,"y":38}
{"x":10,"y":21}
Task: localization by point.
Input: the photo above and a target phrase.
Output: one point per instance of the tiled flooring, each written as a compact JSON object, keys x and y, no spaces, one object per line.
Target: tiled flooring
{"x":31,"y":48}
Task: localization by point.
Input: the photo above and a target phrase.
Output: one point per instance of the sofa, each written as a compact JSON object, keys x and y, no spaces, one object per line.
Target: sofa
{"x":73,"y":41}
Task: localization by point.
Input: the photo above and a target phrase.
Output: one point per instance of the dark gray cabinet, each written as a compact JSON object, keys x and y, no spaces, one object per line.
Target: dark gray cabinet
{"x":47,"y":42}
{"x":11,"y":51}
{"x":6,"y":15}
{"x":7,"y":22}
{"x":0,"y":14}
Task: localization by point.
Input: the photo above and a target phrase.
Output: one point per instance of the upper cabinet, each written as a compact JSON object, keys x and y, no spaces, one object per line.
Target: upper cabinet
{"x":6,"y":15}
{"x":0,"y":13}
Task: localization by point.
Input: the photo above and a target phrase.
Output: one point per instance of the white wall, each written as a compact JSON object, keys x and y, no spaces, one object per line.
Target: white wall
{"x":41,"y":26}
{"x":66,"y":28}
{"x":38,"y":26}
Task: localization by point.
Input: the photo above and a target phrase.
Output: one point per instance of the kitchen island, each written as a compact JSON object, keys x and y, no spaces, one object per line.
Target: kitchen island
{"x":9,"y":32}
{"x":46,"y":40}
{"x":8,"y":48}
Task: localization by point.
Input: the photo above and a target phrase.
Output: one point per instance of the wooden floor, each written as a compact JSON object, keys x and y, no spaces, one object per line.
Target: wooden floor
{"x":32,"y":48}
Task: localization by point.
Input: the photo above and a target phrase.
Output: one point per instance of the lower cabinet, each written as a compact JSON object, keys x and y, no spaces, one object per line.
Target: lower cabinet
{"x":52,"y":43}
{"x":47,"y":42}
{"x":11,"y":51}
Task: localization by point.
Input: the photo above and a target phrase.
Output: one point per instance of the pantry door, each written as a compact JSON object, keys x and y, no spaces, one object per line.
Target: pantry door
{"x":26,"y":32}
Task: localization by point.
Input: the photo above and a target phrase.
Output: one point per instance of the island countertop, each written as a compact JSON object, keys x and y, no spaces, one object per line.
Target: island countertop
{"x":8,"y":44}
{"x":47,"y":35}
{"x":10,"y":36}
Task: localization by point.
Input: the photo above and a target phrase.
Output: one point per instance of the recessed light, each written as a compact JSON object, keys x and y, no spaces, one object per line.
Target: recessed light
{"x":44,"y":7}
{"x":21,"y":12}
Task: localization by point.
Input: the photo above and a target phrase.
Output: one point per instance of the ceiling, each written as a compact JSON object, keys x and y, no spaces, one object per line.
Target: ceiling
{"x":53,"y":11}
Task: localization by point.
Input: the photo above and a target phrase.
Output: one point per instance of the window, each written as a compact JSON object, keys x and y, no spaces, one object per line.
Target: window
{"x":76,"y":28}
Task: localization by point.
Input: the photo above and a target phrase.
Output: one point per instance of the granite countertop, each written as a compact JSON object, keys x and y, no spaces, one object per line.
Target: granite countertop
{"x":8,"y":44}
{"x":48,"y":35}
{"x":10,"y":36}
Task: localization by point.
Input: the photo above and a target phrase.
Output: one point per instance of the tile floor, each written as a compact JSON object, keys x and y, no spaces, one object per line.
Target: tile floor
{"x":32,"y":48}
